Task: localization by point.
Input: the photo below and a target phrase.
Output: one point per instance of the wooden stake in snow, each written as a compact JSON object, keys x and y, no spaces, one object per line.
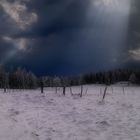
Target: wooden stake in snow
{"x":4,"y":89}
{"x":56,"y":90}
{"x":112,"y":89}
{"x":64,"y":90}
{"x":42,"y":85}
{"x":81,"y":94}
{"x":100,"y":90}
{"x":123,"y":90}
{"x":71,"y":91}
{"x":105,"y":91}
{"x":86,"y":91}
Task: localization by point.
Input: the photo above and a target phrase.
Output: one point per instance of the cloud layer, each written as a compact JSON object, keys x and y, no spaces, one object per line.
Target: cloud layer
{"x":19,"y":13}
{"x":68,"y":36}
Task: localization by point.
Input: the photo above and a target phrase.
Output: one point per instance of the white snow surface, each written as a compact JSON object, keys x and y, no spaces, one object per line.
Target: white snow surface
{"x":30,"y":115}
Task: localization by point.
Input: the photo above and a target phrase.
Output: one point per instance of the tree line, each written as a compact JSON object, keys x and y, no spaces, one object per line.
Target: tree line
{"x":22,"y":79}
{"x":19,"y":79}
{"x":114,"y":76}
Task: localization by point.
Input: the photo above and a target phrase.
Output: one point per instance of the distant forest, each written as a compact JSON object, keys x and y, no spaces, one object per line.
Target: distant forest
{"x":22,"y":79}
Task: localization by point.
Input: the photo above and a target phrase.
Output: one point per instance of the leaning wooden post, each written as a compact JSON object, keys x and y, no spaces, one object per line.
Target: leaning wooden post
{"x":105,"y":91}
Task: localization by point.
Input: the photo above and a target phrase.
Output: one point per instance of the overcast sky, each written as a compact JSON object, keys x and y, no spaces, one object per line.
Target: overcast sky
{"x":70,"y":36}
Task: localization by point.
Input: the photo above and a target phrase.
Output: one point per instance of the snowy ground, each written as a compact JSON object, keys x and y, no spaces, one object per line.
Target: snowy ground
{"x":29,"y":115}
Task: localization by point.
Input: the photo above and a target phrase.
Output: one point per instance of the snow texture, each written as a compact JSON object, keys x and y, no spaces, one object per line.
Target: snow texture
{"x":30,"y":115}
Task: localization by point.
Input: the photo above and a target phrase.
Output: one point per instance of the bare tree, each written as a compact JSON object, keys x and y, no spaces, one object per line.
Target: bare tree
{"x":4,"y":79}
{"x":132,"y":78}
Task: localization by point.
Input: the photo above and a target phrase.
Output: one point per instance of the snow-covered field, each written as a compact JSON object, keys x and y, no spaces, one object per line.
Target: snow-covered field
{"x":30,"y":115}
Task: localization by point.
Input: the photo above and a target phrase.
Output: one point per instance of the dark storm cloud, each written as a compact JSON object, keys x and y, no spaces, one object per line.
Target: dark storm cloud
{"x":133,"y":41}
{"x":57,"y":16}
{"x":67,"y":36}
{"x":134,"y":24}
{"x":5,"y":23}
